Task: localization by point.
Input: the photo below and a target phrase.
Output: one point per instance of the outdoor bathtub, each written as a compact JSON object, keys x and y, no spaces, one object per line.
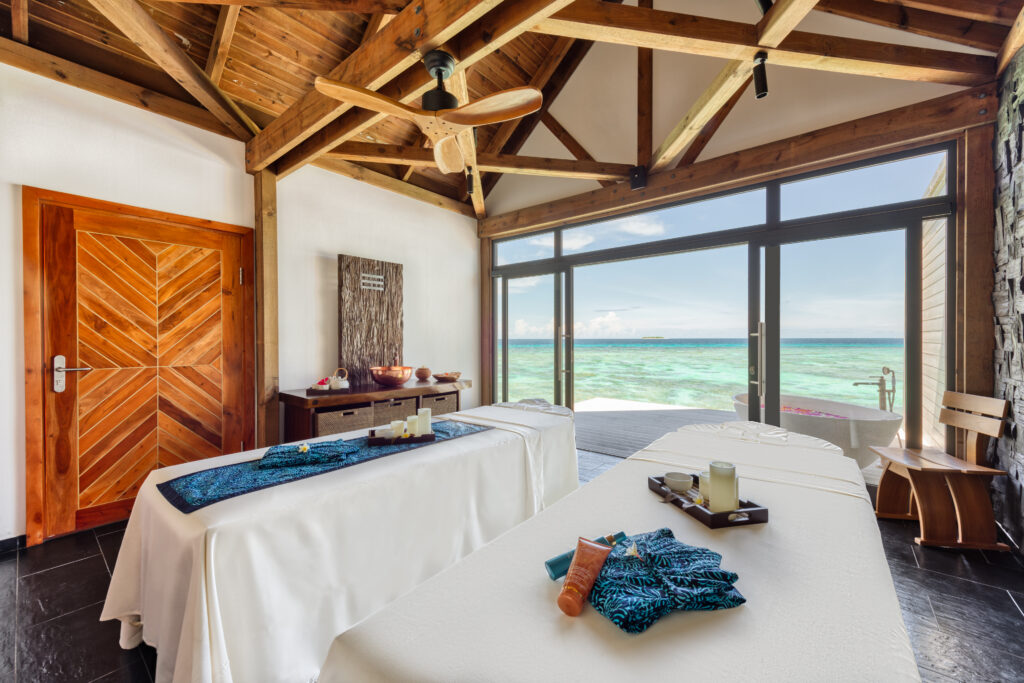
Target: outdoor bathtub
{"x":851,"y":427}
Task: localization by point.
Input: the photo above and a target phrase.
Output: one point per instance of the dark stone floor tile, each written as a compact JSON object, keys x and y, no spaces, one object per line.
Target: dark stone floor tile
{"x":109,"y":545}
{"x":1008,"y":560}
{"x":971,"y":565}
{"x":929,"y":676}
{"x":110,"y":528}
{"x":74,"y":648}
{"x":8,"y":607}
{"x":943,"y":653}
{"x":898,"y":540}
{"x":148,"y":655}
{"x":51,"y":593}
{"x":57,"y":551}
{"x":135,"y":672}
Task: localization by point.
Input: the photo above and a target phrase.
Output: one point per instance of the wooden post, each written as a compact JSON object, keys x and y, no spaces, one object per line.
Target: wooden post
{"x":644,"y":100}
{"x":267,"y":419}
{"x":486,"y":323}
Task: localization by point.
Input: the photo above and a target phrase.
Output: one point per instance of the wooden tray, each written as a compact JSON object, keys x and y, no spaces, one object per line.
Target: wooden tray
{"x":748,"y":512}
{"x":374,"y":440}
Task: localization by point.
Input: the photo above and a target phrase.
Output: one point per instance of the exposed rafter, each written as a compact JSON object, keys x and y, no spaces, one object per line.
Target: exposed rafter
{"x":901,"y":128}
{"x":711,"y":127}
{"x":487,"y":35}
{"x":644,"y":99}
{"x":570,"y":143}
{"x":19,"y":20}
{"x":357,"y":172}
{"x":361,"y":6}
{"x":1014,"y":42}
{"x":775,"y":25}
{"x":660,"y":30}
{"x":993,"y":11}
{"x":136,"y":23}
{"x":42,"y":64}
{"x":222,"y":35}
{"x":587,"y":169}
{"x":975,"y":34}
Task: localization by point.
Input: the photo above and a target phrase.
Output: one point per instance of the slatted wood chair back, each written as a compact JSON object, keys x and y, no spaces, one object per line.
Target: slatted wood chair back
{"x":981,"y":417}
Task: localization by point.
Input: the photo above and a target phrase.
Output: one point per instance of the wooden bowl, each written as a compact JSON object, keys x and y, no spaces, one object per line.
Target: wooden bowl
{"x":391,"y":375}
{"x":448,"y":376}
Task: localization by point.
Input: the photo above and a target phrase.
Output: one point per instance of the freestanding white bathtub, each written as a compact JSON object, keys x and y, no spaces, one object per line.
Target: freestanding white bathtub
{"x":851,"y":427}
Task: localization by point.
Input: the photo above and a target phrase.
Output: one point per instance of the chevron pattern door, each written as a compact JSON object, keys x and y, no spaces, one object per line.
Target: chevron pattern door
{"x":158,"y":316}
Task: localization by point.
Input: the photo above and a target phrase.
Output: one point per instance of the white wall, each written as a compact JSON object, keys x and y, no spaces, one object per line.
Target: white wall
{"x":58,"y":137}
{"x":321,"y":215}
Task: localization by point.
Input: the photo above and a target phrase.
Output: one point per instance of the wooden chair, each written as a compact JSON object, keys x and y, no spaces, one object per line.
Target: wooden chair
{"x":947,"y":495}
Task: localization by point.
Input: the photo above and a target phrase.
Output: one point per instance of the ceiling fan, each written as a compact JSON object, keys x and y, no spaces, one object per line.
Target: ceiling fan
{"x":443,"y":121}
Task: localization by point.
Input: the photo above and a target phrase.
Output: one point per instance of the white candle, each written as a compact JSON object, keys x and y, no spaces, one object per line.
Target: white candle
{"x":397,"y":428}
{"x":424,"y":421}
{"x":414,"y":428}
{"x":723,"y":487}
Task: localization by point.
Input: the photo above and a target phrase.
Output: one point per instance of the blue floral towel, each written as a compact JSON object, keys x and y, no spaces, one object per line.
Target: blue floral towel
{"x":191,"y":492}
{"x":319,"y":453}
{"x":634,"y":592}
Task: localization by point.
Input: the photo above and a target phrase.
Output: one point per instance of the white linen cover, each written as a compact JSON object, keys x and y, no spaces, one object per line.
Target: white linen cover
{"x":254,"y":588}
{"x":820,"y":600}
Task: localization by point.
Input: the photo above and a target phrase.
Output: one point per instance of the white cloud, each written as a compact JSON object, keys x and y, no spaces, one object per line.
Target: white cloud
{"x":547,"y":240}
{"x":521,"y":284}
{"x":603,"y":327}
{"x":641,"y":226}
{"x":571,"y":240}
{"x":521,"y":329}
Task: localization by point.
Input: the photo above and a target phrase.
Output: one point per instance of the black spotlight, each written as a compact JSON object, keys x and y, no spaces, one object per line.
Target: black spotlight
{"x":760,"y":75}
{"x":763,"y":5}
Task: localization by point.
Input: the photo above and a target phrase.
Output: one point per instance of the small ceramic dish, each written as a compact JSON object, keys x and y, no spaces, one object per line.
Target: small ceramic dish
{"x":448,"y":376}
{"x":679,"y":482}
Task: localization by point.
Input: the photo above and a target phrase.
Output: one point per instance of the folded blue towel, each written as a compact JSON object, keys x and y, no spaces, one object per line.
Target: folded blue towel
{"x":634,"y":592}
{"x":318,"y":453}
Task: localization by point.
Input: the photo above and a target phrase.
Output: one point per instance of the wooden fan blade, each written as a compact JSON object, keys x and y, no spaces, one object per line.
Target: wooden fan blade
{"x":367,"y":99}
{"x":501,"y":106}
{"x":448,"y":155}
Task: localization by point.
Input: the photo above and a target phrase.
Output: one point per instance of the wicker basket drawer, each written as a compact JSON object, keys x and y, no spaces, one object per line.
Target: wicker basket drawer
{"x":440,"y":404}
{"x":396,"y":409}
{"x":343,"y":420}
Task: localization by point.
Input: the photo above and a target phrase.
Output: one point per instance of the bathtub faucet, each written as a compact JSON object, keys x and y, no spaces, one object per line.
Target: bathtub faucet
{"x":886,"y":394}
{"x":880,"y":383}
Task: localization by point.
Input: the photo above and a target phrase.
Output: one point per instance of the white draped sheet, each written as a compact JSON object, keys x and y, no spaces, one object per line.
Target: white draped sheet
{"x":820,"y":600}
{"x":254,"y":588}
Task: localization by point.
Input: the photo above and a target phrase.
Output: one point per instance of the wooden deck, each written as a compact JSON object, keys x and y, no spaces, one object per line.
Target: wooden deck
{"x":621,"y":428}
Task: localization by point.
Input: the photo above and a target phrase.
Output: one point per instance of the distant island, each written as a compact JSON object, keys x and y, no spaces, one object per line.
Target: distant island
{"x":652,"y":337}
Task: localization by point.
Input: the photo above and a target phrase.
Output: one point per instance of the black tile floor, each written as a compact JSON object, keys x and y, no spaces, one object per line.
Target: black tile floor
{"x":963,"y":610}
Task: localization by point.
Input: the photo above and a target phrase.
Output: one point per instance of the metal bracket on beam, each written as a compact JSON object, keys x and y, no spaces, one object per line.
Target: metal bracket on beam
{"x":638,"y":177}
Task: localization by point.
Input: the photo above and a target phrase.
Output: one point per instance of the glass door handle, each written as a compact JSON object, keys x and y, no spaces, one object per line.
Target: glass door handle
{"x":759,"y":382}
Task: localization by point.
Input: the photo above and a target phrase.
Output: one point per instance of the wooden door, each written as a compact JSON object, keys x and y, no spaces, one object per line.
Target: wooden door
{"x":159,"y":309}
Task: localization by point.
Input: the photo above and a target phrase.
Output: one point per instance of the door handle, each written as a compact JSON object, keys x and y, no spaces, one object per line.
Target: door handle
{"x":59,"y":381}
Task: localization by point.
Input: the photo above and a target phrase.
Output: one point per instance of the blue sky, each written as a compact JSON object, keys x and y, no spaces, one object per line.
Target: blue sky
{"x":844,"y":287}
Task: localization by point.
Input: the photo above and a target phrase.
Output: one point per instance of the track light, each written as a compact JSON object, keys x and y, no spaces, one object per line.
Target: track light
{"x":763,"y":5}
{"x":760,"y":75}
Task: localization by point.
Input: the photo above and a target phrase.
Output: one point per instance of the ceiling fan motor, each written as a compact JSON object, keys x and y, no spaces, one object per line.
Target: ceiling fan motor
{"x":441,"y":66}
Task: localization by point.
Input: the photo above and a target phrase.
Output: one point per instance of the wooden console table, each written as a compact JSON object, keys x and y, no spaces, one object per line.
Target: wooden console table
{"x":365,"y":406}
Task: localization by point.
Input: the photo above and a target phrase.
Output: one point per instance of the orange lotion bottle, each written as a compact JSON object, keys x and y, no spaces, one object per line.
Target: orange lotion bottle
{"x":586,"y":565}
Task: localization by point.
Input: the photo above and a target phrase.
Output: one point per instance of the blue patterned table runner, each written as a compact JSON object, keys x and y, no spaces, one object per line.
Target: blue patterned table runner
{"x":191,"y":492}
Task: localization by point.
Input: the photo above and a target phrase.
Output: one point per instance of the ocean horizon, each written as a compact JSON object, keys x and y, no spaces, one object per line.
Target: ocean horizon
{"x":705,"y":372}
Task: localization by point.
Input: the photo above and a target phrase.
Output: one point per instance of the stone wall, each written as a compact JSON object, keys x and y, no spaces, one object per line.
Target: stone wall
{"x":1008,"y":296}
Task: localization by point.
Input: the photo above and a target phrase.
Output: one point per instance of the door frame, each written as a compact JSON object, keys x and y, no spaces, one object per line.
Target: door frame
{"x":33,"y":200}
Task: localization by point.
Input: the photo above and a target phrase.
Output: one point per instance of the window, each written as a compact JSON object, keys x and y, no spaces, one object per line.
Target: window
{"x":531,"y":248}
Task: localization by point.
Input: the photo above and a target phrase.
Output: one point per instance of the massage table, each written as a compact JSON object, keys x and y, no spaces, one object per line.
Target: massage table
{"x":820,"y":600}
{"x":252,"y":589}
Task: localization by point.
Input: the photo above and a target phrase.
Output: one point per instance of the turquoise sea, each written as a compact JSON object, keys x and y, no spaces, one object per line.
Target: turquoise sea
{"x":704,"y":373}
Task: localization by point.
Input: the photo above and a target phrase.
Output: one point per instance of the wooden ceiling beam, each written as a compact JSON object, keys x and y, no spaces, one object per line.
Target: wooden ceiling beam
{"x":660,"y":30}
{"x":486,"y":36}
{"x":136,"y":23}
{"x":778,"y":22}
{"x":360,"y":6}
{"x":19,"y":20}
{"x":366,"y":175}
{"x":587,"y":169}
{"x":711,"y":127}
{"x":902,"y":128}
{"x":976,"y":34}
{"x":386,"y":55}
{"x":993,"y":11}
{"x":1014,"y":42}
{"x":227,"y":20}
{"x":644,"y":99}
{"x":570,"y":143}
{"x":42,"y":64}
